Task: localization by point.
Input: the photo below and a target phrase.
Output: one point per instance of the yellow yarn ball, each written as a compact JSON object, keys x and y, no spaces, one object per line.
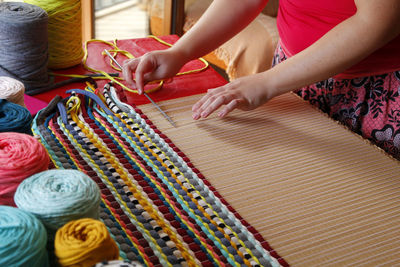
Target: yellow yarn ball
{"x":84,"y":243}
{"x":64,"y":31}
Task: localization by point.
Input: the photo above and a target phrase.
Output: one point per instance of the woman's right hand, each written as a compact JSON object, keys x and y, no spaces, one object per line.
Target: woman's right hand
{"x":152,"y":66}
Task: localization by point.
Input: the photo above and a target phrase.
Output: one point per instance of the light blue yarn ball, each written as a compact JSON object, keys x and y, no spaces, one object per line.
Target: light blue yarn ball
{"x":59,"y":196}
{"x":23,"y":239}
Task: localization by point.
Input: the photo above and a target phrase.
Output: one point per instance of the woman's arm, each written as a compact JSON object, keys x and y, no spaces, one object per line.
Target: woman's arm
{"x":221,"y":21}
{"x":374,"y":24}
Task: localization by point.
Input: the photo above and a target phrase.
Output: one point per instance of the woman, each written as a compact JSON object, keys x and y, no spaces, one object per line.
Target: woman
{"x":341,"y":55}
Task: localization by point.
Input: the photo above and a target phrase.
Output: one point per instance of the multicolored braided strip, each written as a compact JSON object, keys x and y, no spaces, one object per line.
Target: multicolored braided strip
{"x":156,"y":205}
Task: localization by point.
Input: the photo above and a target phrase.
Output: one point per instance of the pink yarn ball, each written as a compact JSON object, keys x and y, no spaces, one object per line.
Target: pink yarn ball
{"x":21,"y":156}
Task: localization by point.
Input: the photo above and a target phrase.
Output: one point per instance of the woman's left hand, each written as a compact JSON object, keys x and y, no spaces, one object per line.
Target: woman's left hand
{"x":245,"y":93}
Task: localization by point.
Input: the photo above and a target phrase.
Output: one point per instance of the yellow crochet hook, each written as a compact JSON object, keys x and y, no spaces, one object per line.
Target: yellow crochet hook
{"x":145,"y":94}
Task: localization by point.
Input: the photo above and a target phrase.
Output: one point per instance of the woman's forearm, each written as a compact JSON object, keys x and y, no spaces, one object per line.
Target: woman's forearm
{"x":222,"y":20}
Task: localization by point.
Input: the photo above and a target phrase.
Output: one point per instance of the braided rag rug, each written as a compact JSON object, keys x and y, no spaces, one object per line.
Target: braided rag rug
{"x":158,"y":207}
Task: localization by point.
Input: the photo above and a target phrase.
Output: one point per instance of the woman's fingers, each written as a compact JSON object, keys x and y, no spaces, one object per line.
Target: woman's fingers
{"x":140,"y":67}
{"x":152,"y":66}
{"x":228,"y":108}
{"x":200,"y":105}
{"x":214,"y":103}
{"x":213,"y":100}
{"x":146,"y":65}
{"x":128,"y":68}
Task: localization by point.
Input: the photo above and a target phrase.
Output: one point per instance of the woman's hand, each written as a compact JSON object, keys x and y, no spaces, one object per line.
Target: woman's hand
{"x":152,"y":66}
{"x":245,"y":93}
{"x":200,"y":40}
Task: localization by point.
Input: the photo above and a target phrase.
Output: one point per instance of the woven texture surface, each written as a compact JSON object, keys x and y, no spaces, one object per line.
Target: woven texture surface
{"x":319,"y":194}
{"x":158,"y":207}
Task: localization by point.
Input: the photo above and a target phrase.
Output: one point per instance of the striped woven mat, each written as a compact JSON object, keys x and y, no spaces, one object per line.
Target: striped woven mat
{"x":158,"y":207}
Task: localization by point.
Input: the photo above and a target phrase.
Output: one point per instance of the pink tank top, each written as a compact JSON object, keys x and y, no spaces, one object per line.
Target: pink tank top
{"x":302,"y":22}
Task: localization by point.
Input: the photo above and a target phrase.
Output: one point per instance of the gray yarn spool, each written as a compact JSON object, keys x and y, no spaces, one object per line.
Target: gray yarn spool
{"x":24,"y":44}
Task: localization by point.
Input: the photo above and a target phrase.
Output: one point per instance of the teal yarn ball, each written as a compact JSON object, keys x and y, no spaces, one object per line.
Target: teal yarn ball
{"x":14,"y":118}
{"x":59,"y":196}
{"x":23,"y":239}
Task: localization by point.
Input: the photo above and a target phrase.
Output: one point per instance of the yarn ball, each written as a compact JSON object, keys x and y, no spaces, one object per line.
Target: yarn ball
{"x":24,"y":44}
{"x":14,"y":118}
{"x":21,"y":156}
{"x":58,"y":196}
{"x":12,"y":90}
{"x":64,"y":31}
{"x":84,"y":242}
{"x":118,"y":263}
{"x":23,"y":239}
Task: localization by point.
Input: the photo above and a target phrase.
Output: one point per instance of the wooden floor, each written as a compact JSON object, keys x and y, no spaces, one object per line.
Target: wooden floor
{"x":122,"y":21}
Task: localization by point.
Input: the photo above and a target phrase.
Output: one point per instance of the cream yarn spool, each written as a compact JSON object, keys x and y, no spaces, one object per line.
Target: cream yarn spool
{"x":12,"y":90}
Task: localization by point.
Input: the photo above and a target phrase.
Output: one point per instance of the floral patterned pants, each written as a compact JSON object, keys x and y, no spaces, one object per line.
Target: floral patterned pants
{"x":369,"y":106}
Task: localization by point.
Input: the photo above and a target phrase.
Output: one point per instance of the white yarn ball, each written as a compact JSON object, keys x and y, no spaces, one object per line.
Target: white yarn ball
{"x":12,"y":90}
